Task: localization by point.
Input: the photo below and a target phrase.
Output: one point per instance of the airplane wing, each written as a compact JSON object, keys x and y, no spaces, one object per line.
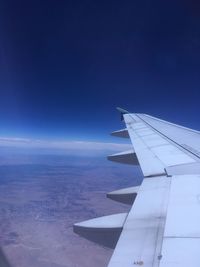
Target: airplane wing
{"x":162,"y":227}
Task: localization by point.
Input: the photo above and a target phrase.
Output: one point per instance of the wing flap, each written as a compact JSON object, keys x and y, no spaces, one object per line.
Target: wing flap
{"x":180,"y":252}
{"x":182,"y":232}
{"x":141,"y":239}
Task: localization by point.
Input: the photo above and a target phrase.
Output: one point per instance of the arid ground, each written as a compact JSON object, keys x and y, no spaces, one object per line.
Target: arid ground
{"x":41,"y":196}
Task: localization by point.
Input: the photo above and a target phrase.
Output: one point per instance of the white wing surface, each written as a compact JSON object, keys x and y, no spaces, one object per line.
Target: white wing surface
{"x":163,"y":225}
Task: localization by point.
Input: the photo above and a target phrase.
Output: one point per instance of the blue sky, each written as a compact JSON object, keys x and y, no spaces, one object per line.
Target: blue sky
{"x":66,"y":65}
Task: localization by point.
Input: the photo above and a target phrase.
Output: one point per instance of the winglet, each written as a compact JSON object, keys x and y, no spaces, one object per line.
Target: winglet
{"x":122,"y":112}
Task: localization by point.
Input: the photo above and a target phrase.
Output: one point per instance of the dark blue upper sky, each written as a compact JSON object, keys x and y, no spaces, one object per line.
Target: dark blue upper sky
{"x":66,"y":65}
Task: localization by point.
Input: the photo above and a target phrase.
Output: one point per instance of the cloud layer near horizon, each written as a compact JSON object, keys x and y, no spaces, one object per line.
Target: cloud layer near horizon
{"x":26,"y":143}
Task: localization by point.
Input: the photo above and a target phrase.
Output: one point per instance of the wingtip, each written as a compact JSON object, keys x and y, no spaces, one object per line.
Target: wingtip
{"x":121,"y":110}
